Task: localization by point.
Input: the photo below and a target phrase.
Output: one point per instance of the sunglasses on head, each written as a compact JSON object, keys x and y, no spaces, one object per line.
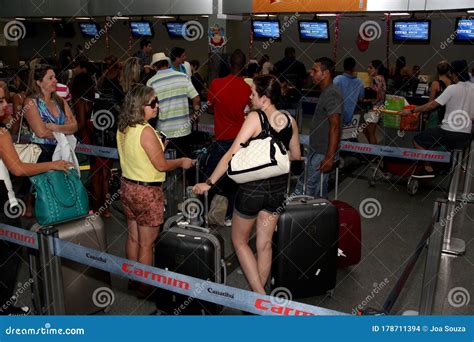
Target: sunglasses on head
{"x":152,"y":104}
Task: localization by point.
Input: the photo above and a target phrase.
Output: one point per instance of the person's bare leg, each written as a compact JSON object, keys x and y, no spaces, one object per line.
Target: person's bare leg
{"x":266,"y":224}
{"x":241,"y":229}
{"x":370,"y":133}
{"x":146,"y":240}
{"x":131,"y":246}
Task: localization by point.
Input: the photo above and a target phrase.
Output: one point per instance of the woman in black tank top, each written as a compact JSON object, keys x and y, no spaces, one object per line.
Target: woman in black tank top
{"x":10,"y":254}
{"x":259,"y":202}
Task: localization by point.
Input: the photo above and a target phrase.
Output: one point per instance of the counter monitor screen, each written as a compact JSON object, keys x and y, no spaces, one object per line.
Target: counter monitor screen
{"x":90,"y":29}
{"x":266,"y":29}
{"x":141,"y":29}
{"x":175,"y":29}
{"x":465,"y":30}
{"x":314,"y":30}
{"x":411,"y":31}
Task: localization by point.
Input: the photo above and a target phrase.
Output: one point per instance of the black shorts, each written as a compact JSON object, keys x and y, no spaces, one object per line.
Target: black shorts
{"x":267,"y":195}
{"x":437,"y":137}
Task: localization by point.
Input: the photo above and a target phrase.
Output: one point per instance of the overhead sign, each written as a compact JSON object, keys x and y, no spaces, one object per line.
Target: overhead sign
{"x":286,"y":6}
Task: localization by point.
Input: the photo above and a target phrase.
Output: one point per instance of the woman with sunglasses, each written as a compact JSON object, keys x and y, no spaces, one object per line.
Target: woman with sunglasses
{"x":144,"y":170}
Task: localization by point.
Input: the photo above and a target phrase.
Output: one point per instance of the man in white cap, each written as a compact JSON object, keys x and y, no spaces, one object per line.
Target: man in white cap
{"x":173,"y":89}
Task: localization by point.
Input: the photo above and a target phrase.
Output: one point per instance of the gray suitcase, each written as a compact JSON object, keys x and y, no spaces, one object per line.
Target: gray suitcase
{"x":80,"y":281}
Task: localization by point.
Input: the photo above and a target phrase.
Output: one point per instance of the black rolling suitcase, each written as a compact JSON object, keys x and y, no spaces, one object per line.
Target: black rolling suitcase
{"x":305,"y":247}
{"x":188,"y":247}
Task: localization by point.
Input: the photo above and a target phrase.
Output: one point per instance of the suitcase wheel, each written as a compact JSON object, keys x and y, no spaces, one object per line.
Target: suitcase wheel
{"x":412,"y":186}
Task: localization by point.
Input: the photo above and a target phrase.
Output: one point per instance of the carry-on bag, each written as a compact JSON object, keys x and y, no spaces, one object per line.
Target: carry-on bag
{"x":187,"y":246}
{"x":305,"y":246}
{"x":82,"y":284}
{"x":350,"y":232}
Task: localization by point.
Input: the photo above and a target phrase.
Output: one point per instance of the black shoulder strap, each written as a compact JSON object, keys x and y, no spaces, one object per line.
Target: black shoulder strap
{"x":442,"y":85}
{"x":264,"y":122}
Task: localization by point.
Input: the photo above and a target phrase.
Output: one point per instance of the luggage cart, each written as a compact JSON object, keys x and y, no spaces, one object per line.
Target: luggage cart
{"x":398,"y":131}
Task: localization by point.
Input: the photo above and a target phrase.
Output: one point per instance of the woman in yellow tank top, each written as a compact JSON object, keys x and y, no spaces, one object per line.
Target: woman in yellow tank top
{"x":144,"y":169}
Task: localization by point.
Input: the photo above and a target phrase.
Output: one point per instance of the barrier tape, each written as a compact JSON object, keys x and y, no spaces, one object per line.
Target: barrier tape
{"x":19,"y":236}
{"x":188,"y":286}
{"x":347,"y":146}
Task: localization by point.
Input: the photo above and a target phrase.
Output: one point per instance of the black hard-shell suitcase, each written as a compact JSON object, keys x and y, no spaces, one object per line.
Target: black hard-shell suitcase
{"x":305,"y":247}
{"x":82,"y":284}
{"x":186,"y":247}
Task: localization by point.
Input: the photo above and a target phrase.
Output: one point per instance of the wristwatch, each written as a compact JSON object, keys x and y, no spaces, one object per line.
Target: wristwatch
{"x":209,"y":182}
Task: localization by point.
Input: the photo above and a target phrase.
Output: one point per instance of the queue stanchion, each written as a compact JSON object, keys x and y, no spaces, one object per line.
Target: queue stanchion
{"x":433,"y":260}
{"x":466,"y":195}
{"x":453,"y":246}
{"x":51,"y":272}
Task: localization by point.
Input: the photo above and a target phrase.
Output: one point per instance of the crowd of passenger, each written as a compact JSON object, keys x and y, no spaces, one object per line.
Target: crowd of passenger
{"x":156,"y":98}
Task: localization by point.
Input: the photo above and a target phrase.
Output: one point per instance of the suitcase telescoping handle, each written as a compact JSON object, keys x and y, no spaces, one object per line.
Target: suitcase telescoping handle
{"x":205,"y":205}
{"x":305,"y":177}
{"x":188,"y":193}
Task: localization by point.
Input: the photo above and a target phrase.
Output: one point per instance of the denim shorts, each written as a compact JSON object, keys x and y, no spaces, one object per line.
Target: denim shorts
{"x":268,"y":195}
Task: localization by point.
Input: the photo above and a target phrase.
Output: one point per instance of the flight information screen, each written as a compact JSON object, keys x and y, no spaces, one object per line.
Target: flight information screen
{"x":465,"y":30}
{"x":411,"y":31}
{"x":314,"y":30}
{"x":266,"y":29}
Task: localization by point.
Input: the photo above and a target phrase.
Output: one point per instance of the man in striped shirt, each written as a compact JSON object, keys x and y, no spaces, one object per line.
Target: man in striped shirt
{"x":173,"y":89}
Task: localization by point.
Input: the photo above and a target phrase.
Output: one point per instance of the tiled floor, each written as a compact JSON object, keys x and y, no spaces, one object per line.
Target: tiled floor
{"x":388,"y":240}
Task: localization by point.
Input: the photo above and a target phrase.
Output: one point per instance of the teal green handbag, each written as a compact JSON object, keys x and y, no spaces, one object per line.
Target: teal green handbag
{"x":60,"y":196}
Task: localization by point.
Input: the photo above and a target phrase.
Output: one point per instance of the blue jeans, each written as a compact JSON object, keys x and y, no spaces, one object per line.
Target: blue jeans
{"x":314,"y":177}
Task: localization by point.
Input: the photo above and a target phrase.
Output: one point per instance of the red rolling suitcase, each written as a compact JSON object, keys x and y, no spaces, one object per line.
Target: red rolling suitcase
{"x":350,"y":234}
